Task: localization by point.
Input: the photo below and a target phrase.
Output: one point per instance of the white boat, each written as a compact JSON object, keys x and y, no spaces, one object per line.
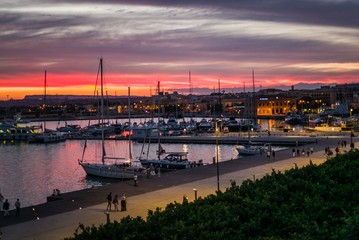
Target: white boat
{"x":18,"y":133}
{"x":48,"y":136}
{"x":326,"y":127}
{"x":172,"y":123}
{"x":119,"y":168}
{"x":294,"y":118}
{"x":173,"y":161}
{"x":250,"y":149}
{"x":142,"y":131}
{"x":204,"y":125}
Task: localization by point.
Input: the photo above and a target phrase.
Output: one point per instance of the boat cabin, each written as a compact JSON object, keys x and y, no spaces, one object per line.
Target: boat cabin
{"x":177,"y":157}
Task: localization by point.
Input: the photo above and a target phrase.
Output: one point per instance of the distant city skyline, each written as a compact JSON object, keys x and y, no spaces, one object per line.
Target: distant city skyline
{"x":142,"y":42}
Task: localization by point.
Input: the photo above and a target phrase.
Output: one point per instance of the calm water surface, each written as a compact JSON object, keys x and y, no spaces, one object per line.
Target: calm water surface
{"x":31,"y":171}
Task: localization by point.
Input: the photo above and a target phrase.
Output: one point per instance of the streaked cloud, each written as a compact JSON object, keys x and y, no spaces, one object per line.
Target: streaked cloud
{"x":147,"y":41}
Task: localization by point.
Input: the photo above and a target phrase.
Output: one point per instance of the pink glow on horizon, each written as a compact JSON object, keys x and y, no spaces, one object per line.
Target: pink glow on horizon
{"x":141,"y":85}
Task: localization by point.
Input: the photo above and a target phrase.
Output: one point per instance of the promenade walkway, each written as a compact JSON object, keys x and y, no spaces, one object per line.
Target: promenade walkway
{"x":59,"y":219}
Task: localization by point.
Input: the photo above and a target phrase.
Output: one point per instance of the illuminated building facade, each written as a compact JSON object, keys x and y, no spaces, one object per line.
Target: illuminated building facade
{"x":278,"y":105}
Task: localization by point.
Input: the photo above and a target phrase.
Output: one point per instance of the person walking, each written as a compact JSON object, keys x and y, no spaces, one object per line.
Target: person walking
{"x":115,"y":203}
{"x":109,"y":201}
{"x":311,"y":150}
{"x":298,"y":152}
{"x":293,"y":151}
{"x":17,"y":205}
{"x":273,"y":154}
{"x":123,"y":202}
{"x":268,"y":154}
{"x":6,"y":207}
{"x":135,"y":179}
{"x":1,"y":201}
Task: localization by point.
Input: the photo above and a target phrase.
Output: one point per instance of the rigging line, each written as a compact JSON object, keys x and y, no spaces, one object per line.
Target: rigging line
{"x":94,"y":92}
{"x":158,"y":128}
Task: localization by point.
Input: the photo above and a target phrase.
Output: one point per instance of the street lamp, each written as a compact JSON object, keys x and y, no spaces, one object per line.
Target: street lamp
{"x":217,"y":156}
{"x":195,"y":193}
{"x":351,"y":133}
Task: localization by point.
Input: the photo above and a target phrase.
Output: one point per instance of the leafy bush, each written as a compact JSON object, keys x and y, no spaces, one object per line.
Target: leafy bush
{"x":314,"y":202}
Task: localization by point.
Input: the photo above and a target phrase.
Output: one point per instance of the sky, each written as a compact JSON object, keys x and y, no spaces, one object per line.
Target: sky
{"x":145,"y":41}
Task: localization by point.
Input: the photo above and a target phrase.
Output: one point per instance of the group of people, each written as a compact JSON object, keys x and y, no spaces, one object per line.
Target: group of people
{"x":269,"y":153}
{"x":116,"y":202}
{"x":341,"y":144}
{"x":5,"y":206}
{"x":296,"y":153}
{"x":56,"y":192}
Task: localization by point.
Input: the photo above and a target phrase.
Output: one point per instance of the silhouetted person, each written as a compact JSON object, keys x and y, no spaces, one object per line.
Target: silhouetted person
{"x":109,"y":201}
{"x":6,"y":207}
{"x":123,"y":203}
{"x":135,"y":179}
{"x":115,"y":203}
{"x":17,"y":205}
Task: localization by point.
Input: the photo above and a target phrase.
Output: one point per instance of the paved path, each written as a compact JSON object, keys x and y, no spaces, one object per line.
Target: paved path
{"x":59,"y":219}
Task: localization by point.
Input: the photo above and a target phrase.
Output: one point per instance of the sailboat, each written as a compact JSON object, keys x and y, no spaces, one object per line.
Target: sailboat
{"x":172,"y":160}
{"x":48,"y":135}
{"x":120,"y":168}
{"x":250,"y":149}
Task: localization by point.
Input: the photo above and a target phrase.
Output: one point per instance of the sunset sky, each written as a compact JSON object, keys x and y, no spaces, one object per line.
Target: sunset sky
{"x":145,"y":41}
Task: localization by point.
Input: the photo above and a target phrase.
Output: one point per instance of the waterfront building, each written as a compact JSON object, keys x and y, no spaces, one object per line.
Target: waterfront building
{"x":275,"y":105}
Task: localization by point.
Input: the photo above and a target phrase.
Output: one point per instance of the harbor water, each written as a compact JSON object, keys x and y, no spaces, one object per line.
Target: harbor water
{"x":31,"y":172}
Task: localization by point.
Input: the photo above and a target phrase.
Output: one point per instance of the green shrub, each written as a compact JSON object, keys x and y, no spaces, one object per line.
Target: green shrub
{"x":314,"y":202}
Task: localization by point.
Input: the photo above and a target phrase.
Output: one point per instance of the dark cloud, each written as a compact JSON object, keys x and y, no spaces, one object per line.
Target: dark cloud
{"x":326,"y":12}
{"x":217,"y":38}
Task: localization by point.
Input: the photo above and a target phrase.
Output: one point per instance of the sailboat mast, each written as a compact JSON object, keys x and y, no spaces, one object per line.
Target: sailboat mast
{"x":190,"y":92}
{"x":45,"y":103}
{"x":253,"y":81}
{"x":102,"y":126}
{"x":254,"y":101}
{"x":129,"y":123}
{"x":158,"y":124}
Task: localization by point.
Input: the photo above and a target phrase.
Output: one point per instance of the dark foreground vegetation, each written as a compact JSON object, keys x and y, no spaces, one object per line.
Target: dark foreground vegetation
{"x":314,"y":202}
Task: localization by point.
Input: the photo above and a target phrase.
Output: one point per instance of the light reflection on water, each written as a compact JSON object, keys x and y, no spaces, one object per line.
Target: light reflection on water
{"x":31,"y":171}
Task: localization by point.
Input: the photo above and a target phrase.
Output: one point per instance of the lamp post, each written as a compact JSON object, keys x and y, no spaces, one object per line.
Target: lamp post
{"x":217,"y":156}
{"x":351,"y":133}
{"x":195,"y":193}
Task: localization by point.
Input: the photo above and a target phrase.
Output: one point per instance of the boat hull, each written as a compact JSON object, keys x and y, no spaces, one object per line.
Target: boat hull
{"x":251,"y":150}
{"x":244,"y":151}
{"x":325,"y":129}
{"x":112,"y":171}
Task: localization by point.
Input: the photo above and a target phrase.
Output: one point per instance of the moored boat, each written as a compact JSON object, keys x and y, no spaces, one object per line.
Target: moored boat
{"x":120,"y":168}
{"x":172,"y":161}
{"x":250,"y":149}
